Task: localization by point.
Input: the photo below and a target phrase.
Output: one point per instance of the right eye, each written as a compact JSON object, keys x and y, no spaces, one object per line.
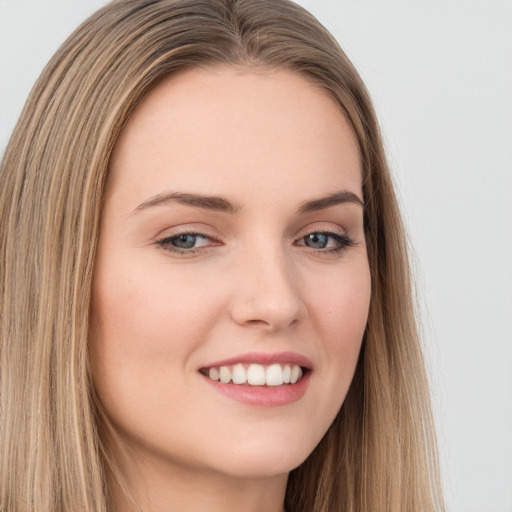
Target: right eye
{"x":185,"y":243}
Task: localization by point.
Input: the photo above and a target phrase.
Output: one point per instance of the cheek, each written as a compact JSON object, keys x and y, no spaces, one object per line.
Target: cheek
{"x":341,"y":307}
{"x":155,"y":306}
{"x":339,"y":315}
{"x":144,"y":327}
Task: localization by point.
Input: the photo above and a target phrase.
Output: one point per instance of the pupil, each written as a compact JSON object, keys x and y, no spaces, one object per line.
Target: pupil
{"x":317,"y":240}
{"x":184,"y":241}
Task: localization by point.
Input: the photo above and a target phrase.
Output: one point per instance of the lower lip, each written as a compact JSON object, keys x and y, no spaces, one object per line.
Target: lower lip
{"x":263,"y":396}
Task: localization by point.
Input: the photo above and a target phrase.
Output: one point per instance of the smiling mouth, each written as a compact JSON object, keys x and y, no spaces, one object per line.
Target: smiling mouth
{"x":256,"y":374}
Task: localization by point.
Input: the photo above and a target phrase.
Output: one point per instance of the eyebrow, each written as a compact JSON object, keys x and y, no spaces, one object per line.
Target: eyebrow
{"x":196,"y":200}
{"x":344,"y":196}
{"x":221,"y":204}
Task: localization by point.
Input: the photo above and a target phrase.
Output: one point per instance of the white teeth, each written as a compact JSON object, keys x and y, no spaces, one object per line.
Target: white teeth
{"x":296,"y":374}
{"x":225,"y":374}
{"x":214,"y":373}
{"x":274,"y":375}
{"x":287,"y":372}
{"x":238,"y":374}
{"x":256,"y":374}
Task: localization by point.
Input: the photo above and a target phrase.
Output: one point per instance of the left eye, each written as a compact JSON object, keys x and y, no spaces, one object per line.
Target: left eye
{"x":317,"y":240}
{"x":329,"y":241}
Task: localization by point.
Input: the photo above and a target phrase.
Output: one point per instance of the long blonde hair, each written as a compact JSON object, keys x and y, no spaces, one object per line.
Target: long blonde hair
{"x":380,"y":452}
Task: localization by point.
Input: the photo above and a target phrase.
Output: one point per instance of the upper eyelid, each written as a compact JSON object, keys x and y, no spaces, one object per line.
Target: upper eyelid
{"x":161,"y":240}
{"x":172,"y":232}
{"x":331,"y":228}
{"x":326,"y":226}
{"x":334,"y":231}
{"x":299,"y":234}
{"x":340,"y":237}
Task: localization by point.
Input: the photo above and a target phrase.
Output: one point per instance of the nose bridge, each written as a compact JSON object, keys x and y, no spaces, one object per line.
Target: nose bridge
{"x":267,"y":292}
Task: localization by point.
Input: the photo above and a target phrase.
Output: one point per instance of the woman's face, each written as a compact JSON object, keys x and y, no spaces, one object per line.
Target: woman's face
{"x":232,"y":248}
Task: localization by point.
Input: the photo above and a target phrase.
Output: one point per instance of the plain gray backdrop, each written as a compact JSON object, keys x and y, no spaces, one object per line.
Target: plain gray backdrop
{"x":440,"y":73}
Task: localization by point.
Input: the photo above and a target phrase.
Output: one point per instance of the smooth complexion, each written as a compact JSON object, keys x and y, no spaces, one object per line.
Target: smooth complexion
{"x":232,"y":232}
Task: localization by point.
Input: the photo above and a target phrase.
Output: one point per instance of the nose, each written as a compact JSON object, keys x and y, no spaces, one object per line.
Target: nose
{"x":267,"y":294}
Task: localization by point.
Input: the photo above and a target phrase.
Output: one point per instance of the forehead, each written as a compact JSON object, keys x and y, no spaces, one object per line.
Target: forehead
{"x":213,"y":127}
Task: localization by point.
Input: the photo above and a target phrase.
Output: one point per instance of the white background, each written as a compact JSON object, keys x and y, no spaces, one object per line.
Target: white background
{"x":440,"y":73}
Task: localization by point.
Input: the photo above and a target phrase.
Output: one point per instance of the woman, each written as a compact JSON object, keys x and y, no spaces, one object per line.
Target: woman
{"x":206,"y":299}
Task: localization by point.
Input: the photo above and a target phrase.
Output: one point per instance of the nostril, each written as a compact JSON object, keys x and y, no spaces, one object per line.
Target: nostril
{"x":257,"y":322}
{"x":266,"y":299}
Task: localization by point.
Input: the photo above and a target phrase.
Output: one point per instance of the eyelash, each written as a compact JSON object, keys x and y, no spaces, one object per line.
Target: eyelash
{"x":166,"y":243}
{"x":342,"y":239}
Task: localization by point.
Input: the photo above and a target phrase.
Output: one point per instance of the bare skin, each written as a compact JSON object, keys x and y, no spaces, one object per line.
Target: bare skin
{"x":232,"y":230}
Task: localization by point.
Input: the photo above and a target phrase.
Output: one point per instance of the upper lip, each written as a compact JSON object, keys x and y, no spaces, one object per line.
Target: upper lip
{"x":265,"y":359}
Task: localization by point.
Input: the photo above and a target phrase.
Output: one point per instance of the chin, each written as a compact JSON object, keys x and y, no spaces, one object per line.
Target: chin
{"x":267,"y":460}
